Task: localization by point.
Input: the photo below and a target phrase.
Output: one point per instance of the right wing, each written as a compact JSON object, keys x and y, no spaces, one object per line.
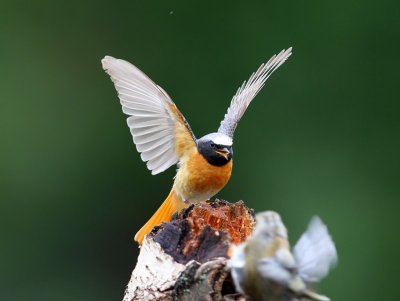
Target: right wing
{"x":246,"y":93}
{"x":315,"y":252}
{"x":159,"y":130}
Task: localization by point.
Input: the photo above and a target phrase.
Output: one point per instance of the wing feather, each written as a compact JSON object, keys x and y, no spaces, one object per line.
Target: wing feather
{"x":148,"y":130}
{"x":150,"y":137}
{"x":246,"y":93}
{"x":237,"y":265}
{"x":158,"y":161}
{"x":154,"y":153}
{"x":154,"y":144}
{"x":315,"y":252}
{"x":158,"y":128}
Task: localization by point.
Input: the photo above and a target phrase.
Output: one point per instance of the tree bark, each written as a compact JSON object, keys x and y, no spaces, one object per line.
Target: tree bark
{"x":186,"y":258}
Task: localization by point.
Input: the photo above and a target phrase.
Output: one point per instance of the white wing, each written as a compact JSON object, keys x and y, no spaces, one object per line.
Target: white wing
{"x":315,"y":252}
{"x":272,"y":269}
{"x":246,"y":93}
{"x":237,"y":264}
{"x":153,"y":115}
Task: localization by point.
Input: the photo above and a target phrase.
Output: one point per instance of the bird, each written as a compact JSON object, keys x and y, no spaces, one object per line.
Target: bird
{"x":265,"y":269}
{"x":164,"y":138}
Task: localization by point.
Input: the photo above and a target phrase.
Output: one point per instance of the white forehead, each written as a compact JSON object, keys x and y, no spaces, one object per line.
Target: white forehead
{"x":218,"y":138}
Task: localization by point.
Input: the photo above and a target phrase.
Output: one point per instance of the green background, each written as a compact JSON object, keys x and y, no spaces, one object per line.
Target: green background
{"x":321,"y":138}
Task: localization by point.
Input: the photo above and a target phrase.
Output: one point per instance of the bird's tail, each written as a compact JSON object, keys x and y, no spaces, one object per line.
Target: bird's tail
{"x":171,"y":205}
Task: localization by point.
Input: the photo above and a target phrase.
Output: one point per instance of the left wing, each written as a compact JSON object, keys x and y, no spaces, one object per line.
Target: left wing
{"x":246,"y":93}
{"x":237,"y":265}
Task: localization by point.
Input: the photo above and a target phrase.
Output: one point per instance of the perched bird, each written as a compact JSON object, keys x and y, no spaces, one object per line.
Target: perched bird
{"x":264,"y":268}
{"x":163,"y":136}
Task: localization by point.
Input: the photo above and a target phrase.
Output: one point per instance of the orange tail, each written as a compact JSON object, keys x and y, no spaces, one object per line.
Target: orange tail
{"x":171,"y":205}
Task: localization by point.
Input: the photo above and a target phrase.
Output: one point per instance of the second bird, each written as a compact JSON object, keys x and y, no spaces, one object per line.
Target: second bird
{"x":164,"y":138}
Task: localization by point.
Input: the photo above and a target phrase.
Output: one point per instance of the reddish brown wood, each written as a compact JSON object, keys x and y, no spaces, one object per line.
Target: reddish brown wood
{"x":205,"y":231}
{"x":186,"y":258}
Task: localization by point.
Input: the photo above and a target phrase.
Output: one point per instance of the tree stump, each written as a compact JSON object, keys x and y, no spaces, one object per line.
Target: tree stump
{"x":186,"y":258}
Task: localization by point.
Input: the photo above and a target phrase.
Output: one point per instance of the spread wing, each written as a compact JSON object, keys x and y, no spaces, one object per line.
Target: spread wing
{"x":160,"y":132}
{"x":315,"y":252}
{"x":249,"y":90}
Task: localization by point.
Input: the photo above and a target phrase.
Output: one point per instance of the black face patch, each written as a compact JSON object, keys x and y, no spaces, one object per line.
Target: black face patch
{"x":208,"y":150}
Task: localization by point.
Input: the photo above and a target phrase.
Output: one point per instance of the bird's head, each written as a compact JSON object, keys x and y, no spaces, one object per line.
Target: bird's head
{"x":269,"y":224}
{"x":216,"y":148}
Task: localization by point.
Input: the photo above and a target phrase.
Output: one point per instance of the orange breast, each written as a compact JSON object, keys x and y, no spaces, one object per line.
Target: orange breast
{"x":198,"y":180}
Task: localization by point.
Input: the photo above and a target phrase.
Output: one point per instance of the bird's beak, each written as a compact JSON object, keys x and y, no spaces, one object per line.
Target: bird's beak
{"x":224,"y":152}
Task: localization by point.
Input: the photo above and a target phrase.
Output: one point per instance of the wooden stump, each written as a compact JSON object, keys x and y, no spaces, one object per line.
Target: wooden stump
{"x":186,"y":258}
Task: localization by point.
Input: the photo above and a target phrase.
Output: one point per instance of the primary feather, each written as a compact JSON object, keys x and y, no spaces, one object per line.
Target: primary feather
{"x":315,"y":252}
{"x":246,"y":93}
{"x":151,"y":122}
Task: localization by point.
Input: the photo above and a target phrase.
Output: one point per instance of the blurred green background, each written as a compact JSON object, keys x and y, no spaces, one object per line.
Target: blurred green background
{"x":321,"y":138}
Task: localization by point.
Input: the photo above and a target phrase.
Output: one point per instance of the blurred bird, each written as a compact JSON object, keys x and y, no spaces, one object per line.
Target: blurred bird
{"x":264,"y":269}
{"x":163,"y":136}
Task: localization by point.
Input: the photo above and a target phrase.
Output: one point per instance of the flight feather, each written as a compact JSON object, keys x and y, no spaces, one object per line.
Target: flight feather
{"x":246,"y":93}
{"x":155,"y":122}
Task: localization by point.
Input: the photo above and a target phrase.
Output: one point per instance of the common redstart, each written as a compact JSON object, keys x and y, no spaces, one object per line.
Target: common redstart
{"x":163,"y":137}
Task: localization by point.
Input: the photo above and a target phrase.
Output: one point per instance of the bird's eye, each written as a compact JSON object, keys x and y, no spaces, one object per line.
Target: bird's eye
{"x":213,"y":145}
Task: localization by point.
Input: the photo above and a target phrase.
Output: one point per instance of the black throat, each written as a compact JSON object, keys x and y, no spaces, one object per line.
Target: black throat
{"x":207,"y":150}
